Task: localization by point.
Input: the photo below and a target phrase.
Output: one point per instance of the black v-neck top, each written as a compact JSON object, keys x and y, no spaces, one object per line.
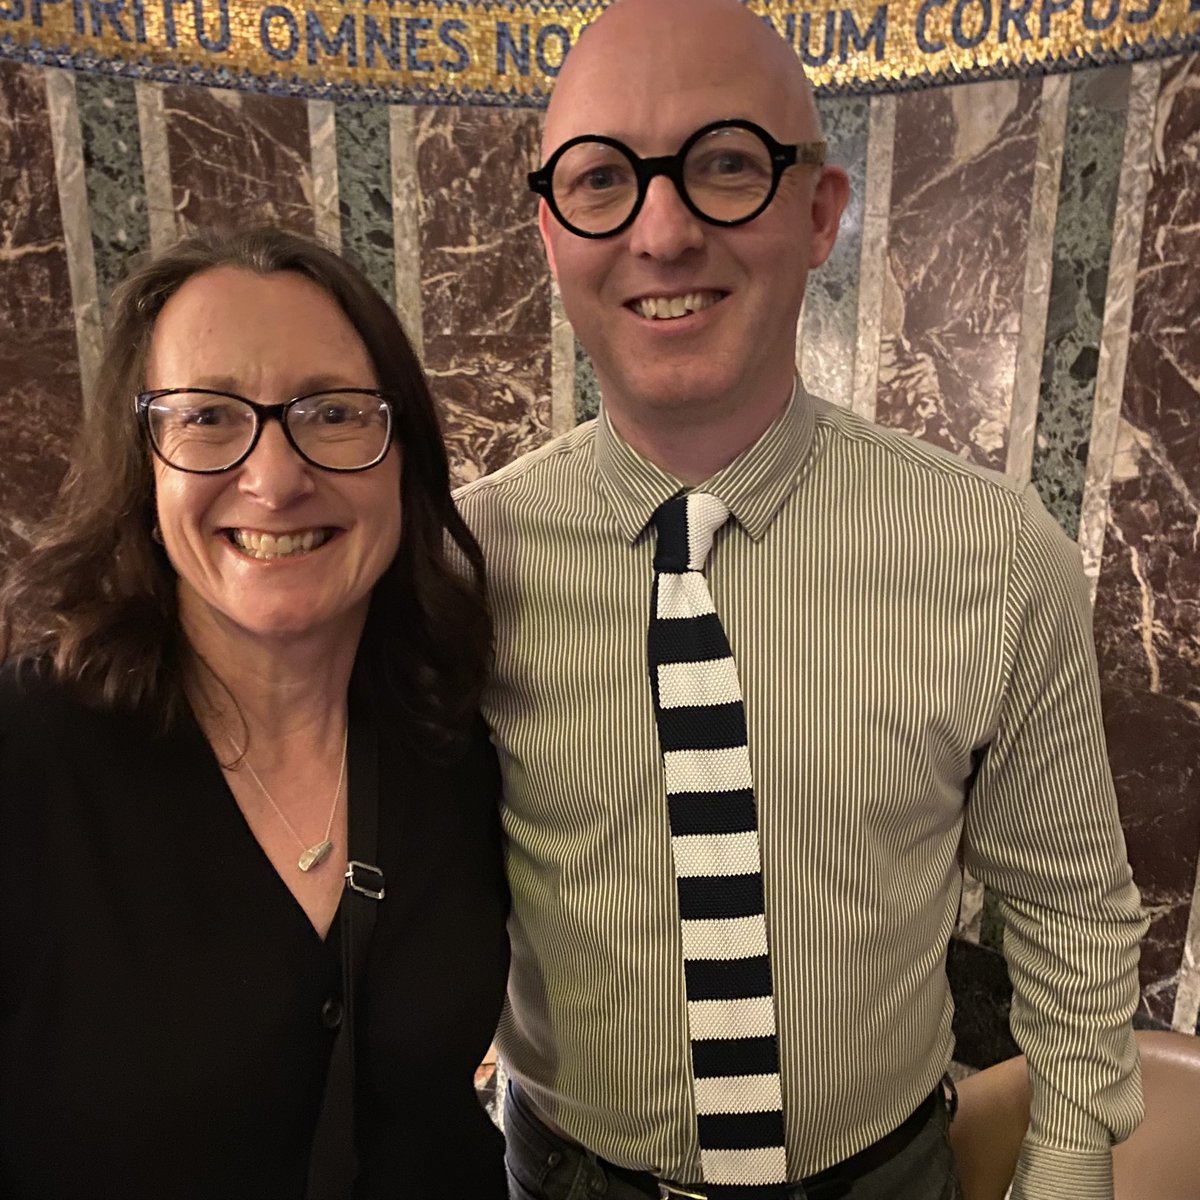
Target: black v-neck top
{"x":166,"y":1005}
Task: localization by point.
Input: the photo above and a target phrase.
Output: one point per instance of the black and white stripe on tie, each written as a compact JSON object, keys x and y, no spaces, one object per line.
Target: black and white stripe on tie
{"x":718,"y":871}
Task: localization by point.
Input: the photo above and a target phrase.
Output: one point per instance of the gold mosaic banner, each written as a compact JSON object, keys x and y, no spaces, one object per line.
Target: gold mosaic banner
{"x":455,"y":51}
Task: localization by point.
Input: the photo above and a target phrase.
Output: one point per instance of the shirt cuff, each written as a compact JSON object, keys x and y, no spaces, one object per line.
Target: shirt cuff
{"x":1046,"y":1173}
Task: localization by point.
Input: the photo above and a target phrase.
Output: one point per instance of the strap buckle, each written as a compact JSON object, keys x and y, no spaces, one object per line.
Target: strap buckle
{"x":667,"y":1190}
{"x":365,"y":879}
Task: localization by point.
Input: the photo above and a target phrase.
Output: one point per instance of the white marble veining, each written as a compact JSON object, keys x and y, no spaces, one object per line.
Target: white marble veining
{"x":1039,"y":269}
{"x":1186,"y":1017}
{"x":1118,"y":313}
{"x":322,"y":137}
{"x":970,"y":909}
{"x":877,"y":204}
{"x":67,"y":136}
{"x":406,"y":236}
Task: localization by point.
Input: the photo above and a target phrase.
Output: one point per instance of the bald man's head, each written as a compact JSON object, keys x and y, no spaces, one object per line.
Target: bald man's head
{"x":688,"y":312}
{"x":651,"y":49}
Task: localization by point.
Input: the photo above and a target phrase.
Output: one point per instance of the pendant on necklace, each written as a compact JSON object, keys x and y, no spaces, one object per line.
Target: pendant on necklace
{"x":314,"y":856}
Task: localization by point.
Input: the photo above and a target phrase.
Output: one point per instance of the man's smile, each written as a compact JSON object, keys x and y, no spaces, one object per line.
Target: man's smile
{"x":671,"y":307}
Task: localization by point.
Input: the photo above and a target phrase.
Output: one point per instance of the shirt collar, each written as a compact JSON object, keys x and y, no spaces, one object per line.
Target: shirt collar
{"x":753,"y":486}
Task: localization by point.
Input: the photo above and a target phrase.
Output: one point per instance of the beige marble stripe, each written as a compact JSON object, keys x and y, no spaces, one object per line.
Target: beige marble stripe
{"x":1039,"y":268}
{"x":1118,"y":312}
{"x":800,"y":341}
{"x":562,"y":366}
{"x":322,"y":142}
{"x":872,"y":270}
{"x":67,"y":136}
{"x":406,"y":236}
{"x":1186,"y":1017}
{"x":156,"y":165}
{"x":970,"y":910}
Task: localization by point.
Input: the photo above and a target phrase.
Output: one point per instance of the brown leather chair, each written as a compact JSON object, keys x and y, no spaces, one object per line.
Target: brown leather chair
{"x":1161,"y":1161}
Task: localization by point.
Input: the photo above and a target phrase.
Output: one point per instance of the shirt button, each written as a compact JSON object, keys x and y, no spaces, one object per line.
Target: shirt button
{"x":331,"y":1013}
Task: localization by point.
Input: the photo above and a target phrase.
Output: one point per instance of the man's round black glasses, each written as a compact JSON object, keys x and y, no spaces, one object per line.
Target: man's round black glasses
{"x":203,"y":431}
{"x":726,"y":173}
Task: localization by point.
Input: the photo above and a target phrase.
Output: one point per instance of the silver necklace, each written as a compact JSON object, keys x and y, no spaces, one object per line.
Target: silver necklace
{"x":318,"y":852}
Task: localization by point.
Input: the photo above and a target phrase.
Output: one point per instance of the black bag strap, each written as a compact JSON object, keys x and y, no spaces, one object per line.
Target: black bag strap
{"x":332,"y":1164}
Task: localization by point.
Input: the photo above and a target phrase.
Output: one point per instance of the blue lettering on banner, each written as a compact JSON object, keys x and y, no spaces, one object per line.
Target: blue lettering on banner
{"x":875,"y":32}
{"x":446,"y":32}
{"x":112,"y":9}
{"x":563,"y":37}
{"x":1146,"y":14}
{"x":1049,"y":9}
{"x":968,"y":41}
{"x":922,"y":16}
{"x":342,"y":41}
{"x":220,"y":43}
{"x":169,"y":30}
{"x":826,"y":53}
{"x":506,"y":48}
{"x":273,"y":13}
{"x":1010,"y":16}
{"x":373,"y":39}
{"x":415,"y":42}
{"x":36,"y":16}
{"x":1098,"y":25}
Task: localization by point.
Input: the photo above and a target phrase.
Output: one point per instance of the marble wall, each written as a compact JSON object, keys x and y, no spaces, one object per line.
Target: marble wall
{"x":1015,"y":281}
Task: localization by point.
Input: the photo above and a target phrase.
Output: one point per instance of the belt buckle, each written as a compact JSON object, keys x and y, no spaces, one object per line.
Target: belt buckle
{"x":667,"y":1190}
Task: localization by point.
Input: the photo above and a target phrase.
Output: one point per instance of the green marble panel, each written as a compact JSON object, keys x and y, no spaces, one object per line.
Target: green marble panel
{"x":830,"y":332}
{"x":365,"y":192}
{"x":587,"y":389}
{"x":1087,"y":201}
{"x":991,"y":922}
{"x":116,"y":187}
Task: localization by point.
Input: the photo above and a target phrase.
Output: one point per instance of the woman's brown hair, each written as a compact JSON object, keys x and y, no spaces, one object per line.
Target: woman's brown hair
{"x":94,"y":599}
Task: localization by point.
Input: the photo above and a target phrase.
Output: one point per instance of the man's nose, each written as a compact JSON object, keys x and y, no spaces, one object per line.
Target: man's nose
{"x":665,"y":227}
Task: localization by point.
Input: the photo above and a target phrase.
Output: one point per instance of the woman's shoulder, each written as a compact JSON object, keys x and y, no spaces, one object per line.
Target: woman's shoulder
{"x":27,"y":689}
{"x":35,"y":703}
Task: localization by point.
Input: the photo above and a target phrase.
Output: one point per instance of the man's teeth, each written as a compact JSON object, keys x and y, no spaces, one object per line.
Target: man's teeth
{"x":283,"y":545}
{"x":665,"y":308}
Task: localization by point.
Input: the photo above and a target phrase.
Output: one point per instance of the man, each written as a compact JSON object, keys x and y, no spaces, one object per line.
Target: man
{"x":735,"y":810}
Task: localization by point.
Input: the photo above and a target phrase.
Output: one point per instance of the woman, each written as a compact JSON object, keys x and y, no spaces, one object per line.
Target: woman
{"x":239,"y":630}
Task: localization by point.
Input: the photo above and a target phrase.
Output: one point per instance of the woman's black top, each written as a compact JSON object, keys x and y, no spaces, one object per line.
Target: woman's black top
{"x":167,"y":1010}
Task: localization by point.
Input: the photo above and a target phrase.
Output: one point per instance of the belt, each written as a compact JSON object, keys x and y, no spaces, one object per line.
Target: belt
{"x":844,"y":1173}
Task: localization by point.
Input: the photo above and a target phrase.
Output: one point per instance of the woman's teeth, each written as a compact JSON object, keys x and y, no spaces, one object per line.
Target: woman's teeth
{"x":665,"y":308}
{"x":283,"y":545}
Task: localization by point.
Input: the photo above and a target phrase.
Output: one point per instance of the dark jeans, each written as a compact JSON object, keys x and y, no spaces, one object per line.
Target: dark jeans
{"x":542,"y":1166}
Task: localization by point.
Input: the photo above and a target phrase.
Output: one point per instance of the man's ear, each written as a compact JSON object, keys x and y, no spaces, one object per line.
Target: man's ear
{"x":544,"y":219}
{"x":829,"y":199}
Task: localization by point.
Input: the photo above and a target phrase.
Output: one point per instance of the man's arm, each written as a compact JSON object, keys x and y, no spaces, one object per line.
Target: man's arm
{"x":1043,"y":831}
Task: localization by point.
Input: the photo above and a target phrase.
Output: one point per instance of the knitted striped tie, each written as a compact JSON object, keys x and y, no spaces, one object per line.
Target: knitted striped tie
{"x":718,"y":871}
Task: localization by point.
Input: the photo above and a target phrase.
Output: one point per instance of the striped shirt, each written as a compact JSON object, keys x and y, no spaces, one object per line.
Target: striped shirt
{"x":908,"y":630}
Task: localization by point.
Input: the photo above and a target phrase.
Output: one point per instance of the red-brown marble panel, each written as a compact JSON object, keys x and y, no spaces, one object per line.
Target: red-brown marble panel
{"x":40,"y":396}
{"x":239,"y":157}
{"x":36,"y":289}
{"x":39,"y":413}
{"x":493,"y":394}
{"x":1148,"y":599}
{"x":1153,"y":743}
{"x":961,"y":193}
{"x":482,"y":267}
